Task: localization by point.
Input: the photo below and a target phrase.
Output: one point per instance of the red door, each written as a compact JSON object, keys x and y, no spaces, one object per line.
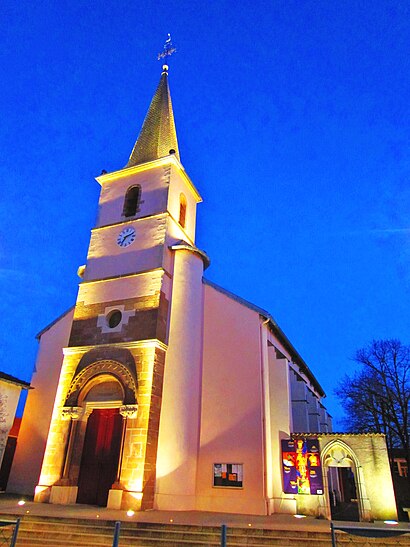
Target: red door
{"x":100,"y":457}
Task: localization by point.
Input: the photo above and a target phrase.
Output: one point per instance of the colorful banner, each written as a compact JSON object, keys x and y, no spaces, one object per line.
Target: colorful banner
{"x":301,"y":469}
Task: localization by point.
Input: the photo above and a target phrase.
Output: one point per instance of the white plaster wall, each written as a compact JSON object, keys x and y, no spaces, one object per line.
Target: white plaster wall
{"x":278,"y":416}
{"x":33,"y":433}
{"x":231,"y":410}
{"x":179,"y":185}
{"x":9,"y":398}
{"x":106,"y":258}
{"x":154,"y":186}
{"x":178,"y":439}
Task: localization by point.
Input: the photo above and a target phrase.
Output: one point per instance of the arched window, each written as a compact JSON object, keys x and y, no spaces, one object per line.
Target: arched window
{"x":132,"y":201}
{"x":182,"y":210}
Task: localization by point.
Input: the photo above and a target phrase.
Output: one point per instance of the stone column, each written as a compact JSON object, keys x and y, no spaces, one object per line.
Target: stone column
{"x":115,"y":493}
{"x":62,"y":492}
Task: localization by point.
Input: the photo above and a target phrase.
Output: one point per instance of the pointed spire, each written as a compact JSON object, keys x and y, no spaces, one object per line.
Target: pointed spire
{"x":158,"y":137}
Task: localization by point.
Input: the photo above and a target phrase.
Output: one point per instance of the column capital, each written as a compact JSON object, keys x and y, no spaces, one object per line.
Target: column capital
{"x":129,"y":411}
{"x":71,"y":413}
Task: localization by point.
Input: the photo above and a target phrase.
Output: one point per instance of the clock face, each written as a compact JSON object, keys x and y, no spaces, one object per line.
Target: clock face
{"x":126,"y":237}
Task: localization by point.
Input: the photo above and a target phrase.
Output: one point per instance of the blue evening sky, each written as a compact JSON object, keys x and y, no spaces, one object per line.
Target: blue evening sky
{"x":293,"y":122}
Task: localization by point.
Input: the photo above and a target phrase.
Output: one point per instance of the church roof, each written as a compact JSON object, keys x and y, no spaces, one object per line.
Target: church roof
{"x":48,"y":327}
{"x":158,"y":137}
{"x":296,"y":358}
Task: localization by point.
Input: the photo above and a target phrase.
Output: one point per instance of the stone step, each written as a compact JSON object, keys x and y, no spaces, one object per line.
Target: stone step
{"x":58,"y":532}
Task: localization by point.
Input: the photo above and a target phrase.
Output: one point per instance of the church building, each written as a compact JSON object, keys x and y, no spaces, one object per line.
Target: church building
{"x":162,"y":390}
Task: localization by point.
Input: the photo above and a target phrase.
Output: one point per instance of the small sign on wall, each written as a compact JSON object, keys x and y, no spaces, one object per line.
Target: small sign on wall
{"x":228,"y":475}
{"x":301,"y":467}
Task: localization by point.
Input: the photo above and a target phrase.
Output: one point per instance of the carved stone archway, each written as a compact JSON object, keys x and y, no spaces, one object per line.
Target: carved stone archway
{"x":79,"y":406}
{"x":106,"y":366}
{"x":338,"y":454}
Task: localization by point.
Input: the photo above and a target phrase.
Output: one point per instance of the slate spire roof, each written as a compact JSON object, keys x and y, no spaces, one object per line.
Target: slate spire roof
{"x":158,"y":135}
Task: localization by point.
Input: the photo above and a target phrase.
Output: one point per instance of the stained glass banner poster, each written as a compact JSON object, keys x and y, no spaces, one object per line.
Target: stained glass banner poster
{"x":301,"y":468}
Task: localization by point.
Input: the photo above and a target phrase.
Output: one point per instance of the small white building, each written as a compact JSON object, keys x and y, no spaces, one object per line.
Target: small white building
{"x":161,"y":390}
{"x":10,"y":390}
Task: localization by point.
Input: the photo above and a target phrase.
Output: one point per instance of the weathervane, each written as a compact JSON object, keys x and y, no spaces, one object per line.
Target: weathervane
{"x":167,"y":51}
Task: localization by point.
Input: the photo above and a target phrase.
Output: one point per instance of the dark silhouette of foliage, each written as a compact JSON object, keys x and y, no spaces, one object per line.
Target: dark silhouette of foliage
{"x":376,"y":398}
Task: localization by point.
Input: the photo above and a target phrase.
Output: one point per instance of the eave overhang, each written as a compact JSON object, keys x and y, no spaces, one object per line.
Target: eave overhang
{"x":171,"y":159}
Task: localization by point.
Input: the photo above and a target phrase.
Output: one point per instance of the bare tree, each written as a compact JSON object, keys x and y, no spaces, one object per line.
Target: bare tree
{"x":376,"y":398}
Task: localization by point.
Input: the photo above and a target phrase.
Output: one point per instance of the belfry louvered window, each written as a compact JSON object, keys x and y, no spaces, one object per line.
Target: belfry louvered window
{"x":182,"y":210}
{"x":132,"y":201}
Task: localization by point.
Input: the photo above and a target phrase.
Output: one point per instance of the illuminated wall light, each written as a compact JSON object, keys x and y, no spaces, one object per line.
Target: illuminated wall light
{"x":130,"y":513}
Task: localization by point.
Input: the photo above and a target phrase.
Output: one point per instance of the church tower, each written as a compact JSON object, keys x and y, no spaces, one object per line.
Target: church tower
{"x":134,"y":351}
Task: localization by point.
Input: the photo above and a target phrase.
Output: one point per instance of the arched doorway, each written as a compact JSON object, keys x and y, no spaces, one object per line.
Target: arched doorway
{"x":101,"y":399}
{"x":344,"y":485}
{"x":343,"y":494}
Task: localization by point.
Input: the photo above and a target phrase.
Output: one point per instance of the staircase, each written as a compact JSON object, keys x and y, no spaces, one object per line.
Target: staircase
{"x":59,"y":532}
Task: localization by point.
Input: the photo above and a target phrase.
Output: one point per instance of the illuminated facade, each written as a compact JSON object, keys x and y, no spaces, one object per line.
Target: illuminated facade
{"x":160,"y":389}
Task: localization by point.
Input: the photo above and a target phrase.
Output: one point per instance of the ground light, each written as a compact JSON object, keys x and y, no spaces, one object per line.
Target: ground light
{"x":391,"y":522}
{"x":299,"y":516}
{"x":130,"y":513}
{"x":21,"y":502}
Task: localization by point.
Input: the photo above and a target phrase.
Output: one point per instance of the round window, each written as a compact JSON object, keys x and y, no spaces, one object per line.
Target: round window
{"x":114,"y":318}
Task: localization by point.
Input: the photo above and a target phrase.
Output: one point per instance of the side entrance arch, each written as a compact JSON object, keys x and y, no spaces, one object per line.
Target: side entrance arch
{"x":344,"y":486}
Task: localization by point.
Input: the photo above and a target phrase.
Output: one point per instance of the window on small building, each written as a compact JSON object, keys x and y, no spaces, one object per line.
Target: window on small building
{"x":182,"y":210}
{"x":132,"y":201}
{"x":402,"y":467}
